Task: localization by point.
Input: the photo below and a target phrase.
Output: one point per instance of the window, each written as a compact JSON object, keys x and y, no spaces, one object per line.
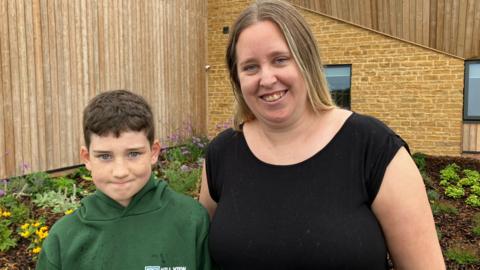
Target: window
{"x":339,"y":81}
{"x":471,"y":101}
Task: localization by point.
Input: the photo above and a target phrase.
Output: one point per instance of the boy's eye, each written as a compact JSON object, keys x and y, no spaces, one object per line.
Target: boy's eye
{"x":134,"y":154}
{"x":104,"y":157}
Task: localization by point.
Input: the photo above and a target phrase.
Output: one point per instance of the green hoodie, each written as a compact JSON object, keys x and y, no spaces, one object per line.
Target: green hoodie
{"x":159,"y":230}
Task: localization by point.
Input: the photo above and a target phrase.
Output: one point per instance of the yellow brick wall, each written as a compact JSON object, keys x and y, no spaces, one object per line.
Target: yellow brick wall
{"x":418,"y":92}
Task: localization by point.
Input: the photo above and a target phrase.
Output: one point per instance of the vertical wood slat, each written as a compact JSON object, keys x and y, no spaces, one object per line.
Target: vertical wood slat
{"x":476,"y":32}
{"x":471,"y":137}
{"x":39,"y":86}
{"x":418,"y":21}
{"x":469,"y":25}
{"x":426,"y":23}
{"x":15,"y":81}
{"x":462,"y":21}
{"x":440,"y":24}
{"x":447,"y":25}
{"x":454,"y":27}
{"x":5,"y":110}
{"x":432,"y":38}
{"x":465,"y":137}
{"x":55,"y":55}
{"x":32,"y":127}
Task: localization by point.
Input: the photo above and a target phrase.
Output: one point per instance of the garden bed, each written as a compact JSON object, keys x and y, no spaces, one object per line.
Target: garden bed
{"x":458,"y":224}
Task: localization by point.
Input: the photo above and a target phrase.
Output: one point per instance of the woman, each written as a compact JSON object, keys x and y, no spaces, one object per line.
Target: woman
{"x":299,"y":183}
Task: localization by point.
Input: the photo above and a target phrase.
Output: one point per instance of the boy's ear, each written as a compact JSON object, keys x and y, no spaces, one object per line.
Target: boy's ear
{"x":155,"y":151}
{"x":85,"y":156}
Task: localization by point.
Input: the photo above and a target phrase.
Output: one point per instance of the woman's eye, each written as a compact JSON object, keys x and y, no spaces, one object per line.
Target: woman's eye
{"x":281,"y":60}
{"x":250,"y":68}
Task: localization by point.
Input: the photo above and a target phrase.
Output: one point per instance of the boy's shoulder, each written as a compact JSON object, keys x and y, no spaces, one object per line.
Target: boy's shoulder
{"x":176,"y":201}
{"x":65,"y":224}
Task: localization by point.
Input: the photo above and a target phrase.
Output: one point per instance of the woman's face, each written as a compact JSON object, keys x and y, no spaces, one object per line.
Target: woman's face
{"x":270,"y":80}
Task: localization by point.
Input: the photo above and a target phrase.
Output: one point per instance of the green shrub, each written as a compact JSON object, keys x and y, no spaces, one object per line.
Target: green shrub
{"x":439,"y":207}
{"x":58,"y":201}
{"x":462,"y":256}
{"x":63,"y":183}
{"x":472,"y":175}
{"x":454,"y":192}
{"x":450,"y":173}
{"x":475,"y":189}
{"x":433,"y":195}
{"x":19,"y":211}
{"x":473,"y":200}
{"x":182,"y":178}
{"x":7,"y":240}
{"x":420,"y":161}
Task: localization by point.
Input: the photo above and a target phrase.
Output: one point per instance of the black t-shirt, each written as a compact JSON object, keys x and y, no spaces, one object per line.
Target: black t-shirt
{"x":315,"y":214}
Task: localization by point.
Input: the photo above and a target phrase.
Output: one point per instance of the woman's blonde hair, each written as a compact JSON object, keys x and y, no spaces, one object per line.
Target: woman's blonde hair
{"x":301,"y":43}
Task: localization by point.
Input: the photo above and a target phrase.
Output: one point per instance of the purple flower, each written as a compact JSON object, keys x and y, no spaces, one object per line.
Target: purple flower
{"x":2,"y":192}
{"x":184,"y":168}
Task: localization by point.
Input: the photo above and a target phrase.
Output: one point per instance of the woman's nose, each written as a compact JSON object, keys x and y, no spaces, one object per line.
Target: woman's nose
{"x":268,"y":77}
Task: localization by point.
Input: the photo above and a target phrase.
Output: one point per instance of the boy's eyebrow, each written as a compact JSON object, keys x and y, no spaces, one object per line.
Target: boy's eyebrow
{"x":128,"y":149}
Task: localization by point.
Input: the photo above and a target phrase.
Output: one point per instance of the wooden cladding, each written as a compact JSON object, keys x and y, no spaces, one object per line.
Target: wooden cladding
{"x":56,"y":54}
{"x":452,"y":26}
{"x":471,"y":137}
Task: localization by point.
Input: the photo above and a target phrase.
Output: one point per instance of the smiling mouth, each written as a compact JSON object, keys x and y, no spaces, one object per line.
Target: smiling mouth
{"x":274,"y":96}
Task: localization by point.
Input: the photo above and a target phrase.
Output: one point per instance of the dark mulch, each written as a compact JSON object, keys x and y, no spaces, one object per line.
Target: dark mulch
{"x":455,"y":230}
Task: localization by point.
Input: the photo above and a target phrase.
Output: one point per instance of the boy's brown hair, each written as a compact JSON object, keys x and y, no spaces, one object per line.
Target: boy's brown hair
{"x":117,"y":111}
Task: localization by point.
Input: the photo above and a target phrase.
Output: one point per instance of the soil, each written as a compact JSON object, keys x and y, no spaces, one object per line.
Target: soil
{"x":454,"y":230}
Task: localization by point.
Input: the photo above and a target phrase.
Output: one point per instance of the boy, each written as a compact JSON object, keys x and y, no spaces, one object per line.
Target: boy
{"x":132,"y":221}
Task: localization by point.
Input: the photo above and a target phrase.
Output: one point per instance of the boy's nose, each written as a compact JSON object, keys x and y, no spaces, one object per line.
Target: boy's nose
{"x":119,"y":170}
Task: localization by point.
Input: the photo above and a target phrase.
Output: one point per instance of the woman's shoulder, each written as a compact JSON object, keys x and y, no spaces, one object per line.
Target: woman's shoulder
{"x":225,"y":138}
{"x":368,"y":124}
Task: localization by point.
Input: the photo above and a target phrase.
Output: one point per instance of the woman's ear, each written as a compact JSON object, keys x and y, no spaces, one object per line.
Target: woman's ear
{"x":155,"y":151}
{"x":85,"y":157}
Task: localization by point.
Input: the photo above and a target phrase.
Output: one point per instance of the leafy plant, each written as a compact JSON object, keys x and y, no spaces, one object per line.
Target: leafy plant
{"x":7,"y":241}
{"x":182,"y":178}
{"x":433,"y":195}
{"x":83,"y":173}
{"x":58,"y":201}
{"x":439,"y":207}
{"x":473,"y":200}
{"x":450,"y":173}
{"x":476,"y":224}
{"x":63,"y":183}
{"x":475,"y":189}
{"x":29,"y":183}
{"x":462,"y":255}
{"x":454,"y":192}
{"x":420,"y":161}
{"x":473,"y":175}
{"x":19,"y":211}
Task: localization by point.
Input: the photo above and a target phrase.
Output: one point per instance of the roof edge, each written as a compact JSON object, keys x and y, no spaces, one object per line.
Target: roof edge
{"x":378,"y":32}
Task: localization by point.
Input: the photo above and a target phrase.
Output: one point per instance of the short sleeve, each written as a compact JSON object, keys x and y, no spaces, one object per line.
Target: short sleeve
{"x":382,"y":146}
{"x":214,"y":161}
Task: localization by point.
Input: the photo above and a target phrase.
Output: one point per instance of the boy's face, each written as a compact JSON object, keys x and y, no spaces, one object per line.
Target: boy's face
{"x":120,"y":166}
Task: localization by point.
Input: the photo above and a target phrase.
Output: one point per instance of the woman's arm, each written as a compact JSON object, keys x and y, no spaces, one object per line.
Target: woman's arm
{"x":205,"y":198}
{"x":402,"y":208}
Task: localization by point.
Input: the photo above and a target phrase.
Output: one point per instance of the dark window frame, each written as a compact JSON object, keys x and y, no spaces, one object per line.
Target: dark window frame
{"x":350,"y":91}
{"x":466,"y":117}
